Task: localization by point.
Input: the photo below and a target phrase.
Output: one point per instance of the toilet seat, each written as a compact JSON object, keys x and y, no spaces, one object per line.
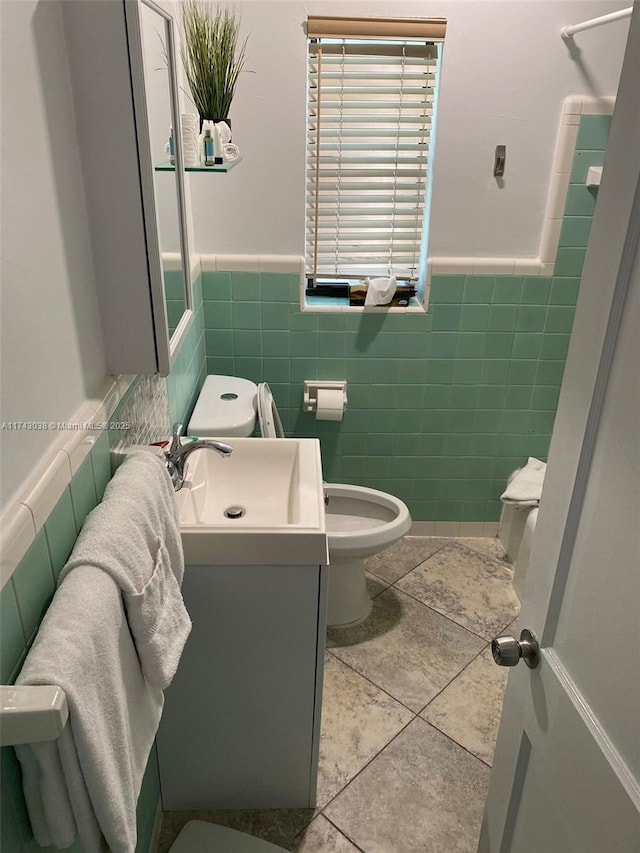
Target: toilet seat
{"x":362,"y":521}
{"x":198,"y":836}
{"x":268,"y":416}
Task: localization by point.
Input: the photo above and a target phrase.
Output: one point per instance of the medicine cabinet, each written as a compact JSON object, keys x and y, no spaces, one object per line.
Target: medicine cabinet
{"x":123,"y":65}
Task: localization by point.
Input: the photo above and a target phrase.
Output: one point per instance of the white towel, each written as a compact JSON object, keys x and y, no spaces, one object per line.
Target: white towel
{"x":87,"y":782}
{"x":133,"y":535}
{"x":380,"y":290}
{"x":524,"y":487}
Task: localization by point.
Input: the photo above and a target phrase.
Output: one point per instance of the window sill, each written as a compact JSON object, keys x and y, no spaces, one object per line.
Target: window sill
{"x":329,"y":305}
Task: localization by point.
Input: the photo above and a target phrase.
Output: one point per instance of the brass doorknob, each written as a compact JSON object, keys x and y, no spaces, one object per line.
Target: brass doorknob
{"x":507,"y":651}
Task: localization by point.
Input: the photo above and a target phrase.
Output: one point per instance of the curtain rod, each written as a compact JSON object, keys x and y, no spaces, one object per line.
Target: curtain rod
{"x":569,"y":32}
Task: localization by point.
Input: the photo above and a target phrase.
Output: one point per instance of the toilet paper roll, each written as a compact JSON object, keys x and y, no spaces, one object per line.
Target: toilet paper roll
{"x":330,"y":404}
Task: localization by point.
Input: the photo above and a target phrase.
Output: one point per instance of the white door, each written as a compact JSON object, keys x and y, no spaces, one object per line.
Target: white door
{"x":566,"y":773}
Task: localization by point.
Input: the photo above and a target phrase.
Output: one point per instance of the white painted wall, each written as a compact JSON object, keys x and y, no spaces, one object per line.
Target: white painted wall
{"x":52,"y":358}
{"x":505,"y":74}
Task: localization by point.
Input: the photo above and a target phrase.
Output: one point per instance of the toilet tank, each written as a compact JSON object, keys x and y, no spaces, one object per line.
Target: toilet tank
{"x":226,"y":406}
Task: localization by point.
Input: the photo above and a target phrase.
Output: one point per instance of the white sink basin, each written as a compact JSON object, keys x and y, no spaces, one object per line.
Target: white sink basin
{"x":263,"y":504}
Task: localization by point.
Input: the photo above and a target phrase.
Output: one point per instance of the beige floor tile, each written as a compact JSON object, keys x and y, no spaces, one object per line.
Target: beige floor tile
{"x":468,"y":710}
{"x":474,"y":591}
{"x":404,"y":555}
{"x":358,"y":720}
{"x":375,"y":585}
{"x":321,"y":836}
{"x":422,"y":794}
{"x":486,"y":545}
{"x":405,"y":648}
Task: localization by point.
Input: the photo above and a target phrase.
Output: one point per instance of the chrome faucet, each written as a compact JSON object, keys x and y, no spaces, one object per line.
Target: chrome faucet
{"x":177,"y":454}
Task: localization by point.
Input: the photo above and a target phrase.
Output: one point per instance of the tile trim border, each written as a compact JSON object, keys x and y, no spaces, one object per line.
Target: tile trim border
{"x":573,"y":108}
{"x":454,"y":528}
{"x":291,"y":264}
{"x":25,"y":515}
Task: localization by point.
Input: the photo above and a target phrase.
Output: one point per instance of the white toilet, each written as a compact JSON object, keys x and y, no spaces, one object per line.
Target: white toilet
{"x":360,"y":522}
{"x":197,"y":836}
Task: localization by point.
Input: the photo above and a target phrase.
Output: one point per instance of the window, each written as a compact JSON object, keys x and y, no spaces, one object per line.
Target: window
{"x":372,"y":96}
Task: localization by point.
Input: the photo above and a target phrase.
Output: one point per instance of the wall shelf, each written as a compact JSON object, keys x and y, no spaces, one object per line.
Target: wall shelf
{"x":222,"y":167}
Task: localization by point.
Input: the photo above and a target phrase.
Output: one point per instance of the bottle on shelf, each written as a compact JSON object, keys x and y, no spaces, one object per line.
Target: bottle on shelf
{"x":170,"y":149}
{"x":207,"y":144}
{"x":209,"y":151}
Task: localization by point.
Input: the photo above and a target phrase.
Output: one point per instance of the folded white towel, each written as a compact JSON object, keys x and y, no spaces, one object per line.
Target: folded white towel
{"x":134,"y":536}
{"x":230,"y":151}
{"x":380,"y":290}
{"x":87,"y":782}
{"x":524,"y":486}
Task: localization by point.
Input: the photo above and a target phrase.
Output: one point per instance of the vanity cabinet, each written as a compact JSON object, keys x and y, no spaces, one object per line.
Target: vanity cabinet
{"x":241,"y":722}
{"x":105,"y":53}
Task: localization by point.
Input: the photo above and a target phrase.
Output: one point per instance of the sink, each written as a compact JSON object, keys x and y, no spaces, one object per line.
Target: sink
{"x":263,"y":504}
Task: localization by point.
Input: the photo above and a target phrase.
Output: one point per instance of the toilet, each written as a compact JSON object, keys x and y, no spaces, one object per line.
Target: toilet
{"x":360,"y":521}
{"x":198,"y":836}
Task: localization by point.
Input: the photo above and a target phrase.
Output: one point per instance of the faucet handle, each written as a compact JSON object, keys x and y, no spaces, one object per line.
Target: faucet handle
{"x":175,"y":438}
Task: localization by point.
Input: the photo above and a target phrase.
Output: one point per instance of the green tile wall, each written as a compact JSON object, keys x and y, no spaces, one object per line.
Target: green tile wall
{"x":442,"y":406}
{"x":189,"y":370}
{"x":25,"y":599}
{"x":174,"y":297}
{"x":23,"y":602}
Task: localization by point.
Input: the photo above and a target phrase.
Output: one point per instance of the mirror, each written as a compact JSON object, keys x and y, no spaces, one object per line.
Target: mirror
{"x":163,"y":115}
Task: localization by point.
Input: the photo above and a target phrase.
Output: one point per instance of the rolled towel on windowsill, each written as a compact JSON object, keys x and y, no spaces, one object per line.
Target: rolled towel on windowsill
{"x":380,"y":291}
{"x":524,"y":486}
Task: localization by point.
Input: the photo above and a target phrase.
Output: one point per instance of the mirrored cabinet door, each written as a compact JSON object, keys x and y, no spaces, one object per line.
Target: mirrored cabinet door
{"x":122,"y":60}
{"x":160,"y":60}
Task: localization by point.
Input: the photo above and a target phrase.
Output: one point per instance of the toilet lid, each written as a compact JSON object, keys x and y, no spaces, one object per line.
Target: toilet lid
{"x":268,"y":417}
{"x":201,"y":837}
{"x":226,"y":406}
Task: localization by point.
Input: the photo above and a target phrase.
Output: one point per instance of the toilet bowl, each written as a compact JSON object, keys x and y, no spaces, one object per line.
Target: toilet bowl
{"x":197,"y":836}
{"x":360,"y":521}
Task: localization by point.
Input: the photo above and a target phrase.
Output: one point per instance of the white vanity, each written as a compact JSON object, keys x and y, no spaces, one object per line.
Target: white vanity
{"x":241,"y":723}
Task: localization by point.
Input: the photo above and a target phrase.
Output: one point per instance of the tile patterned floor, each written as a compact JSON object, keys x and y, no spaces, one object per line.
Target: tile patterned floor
{"x":410,"y":713}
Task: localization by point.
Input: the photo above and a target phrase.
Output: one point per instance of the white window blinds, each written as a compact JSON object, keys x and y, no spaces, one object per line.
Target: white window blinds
{"x":370,"y":116}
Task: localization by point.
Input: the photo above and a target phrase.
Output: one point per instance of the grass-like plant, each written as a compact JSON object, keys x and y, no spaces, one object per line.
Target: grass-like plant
{"x":212,"y":56}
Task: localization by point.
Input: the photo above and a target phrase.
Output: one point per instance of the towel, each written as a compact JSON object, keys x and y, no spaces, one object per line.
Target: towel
{"x":380,"y":290}
{"x":87,"y":782}
{"x":134,"y":536}
{"x":230,"y":152}
{"x":224,"y":130}
{"x":524,"y":487}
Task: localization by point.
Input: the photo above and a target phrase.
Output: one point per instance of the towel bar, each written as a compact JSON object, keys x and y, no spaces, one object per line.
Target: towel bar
{"x":31,"y":714}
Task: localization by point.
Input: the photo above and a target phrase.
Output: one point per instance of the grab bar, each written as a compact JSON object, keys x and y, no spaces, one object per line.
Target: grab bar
{"x":31,"y":714}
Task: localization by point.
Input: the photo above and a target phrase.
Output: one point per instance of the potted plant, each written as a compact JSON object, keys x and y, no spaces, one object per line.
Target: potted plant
{"x":212,"y":57}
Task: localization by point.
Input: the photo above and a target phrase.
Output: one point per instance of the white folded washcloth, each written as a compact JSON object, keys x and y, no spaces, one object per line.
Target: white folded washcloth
{"x":87,"y":782}
{"x":380,"y":291}
{"x":524,"y":486}
{"x":230,"y":152}
{"x":224,"y":130}
{"x":134,"y":536}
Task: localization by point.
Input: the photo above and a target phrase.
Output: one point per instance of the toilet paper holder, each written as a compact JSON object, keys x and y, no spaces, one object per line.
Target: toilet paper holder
{"x":311,"y":388}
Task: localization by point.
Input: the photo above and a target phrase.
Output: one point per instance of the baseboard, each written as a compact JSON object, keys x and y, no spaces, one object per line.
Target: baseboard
{"x":454,"y":528}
